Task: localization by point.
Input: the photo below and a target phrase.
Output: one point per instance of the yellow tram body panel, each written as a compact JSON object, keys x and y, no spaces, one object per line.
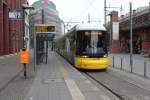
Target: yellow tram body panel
{"x":91,"y":63}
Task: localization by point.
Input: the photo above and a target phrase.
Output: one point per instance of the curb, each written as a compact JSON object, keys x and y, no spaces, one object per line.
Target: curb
{"x":10,"y":55}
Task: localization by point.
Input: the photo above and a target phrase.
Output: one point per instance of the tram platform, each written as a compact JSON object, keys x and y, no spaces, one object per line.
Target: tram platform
{"x":58,"y":80}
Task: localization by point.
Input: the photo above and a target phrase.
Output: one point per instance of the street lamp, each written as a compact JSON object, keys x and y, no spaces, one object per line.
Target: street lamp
{"x":25,"y":7}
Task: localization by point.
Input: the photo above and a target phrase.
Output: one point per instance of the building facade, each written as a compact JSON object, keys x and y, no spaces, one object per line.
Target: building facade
{"x":141,"y":31}
{"x":11,"y":22}
{"x":46,"y":13}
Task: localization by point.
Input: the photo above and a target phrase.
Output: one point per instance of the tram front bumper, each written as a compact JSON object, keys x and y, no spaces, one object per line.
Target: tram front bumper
{"x":91,"y":63}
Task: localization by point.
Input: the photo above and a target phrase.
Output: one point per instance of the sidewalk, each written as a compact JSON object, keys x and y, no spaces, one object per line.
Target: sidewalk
{"x":58,"y":80}
{"x":10,"y":68}
{"x":138,"y":63}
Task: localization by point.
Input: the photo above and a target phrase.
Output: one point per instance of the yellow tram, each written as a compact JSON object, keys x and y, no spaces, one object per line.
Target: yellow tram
{"x":85,"y":46}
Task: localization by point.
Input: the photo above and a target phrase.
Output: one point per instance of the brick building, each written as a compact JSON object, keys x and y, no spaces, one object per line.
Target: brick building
{"x":11,"y":30}
{"x":141,"y":31}
{"x":114,"y":44}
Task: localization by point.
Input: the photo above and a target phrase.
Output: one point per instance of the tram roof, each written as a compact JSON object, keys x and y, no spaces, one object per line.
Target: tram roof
{"x":90,"y":26}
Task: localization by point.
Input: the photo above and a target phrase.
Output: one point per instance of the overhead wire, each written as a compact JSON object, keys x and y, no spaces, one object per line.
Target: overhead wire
{"x":84,"y":10}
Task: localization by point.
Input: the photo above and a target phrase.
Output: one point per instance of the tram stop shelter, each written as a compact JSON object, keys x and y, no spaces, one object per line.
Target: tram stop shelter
{"x":44,"y":34}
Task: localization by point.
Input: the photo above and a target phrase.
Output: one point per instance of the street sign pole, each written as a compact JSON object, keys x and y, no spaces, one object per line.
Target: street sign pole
{"x":131,"y":44}
{"x":46,"y":50}
{"x":25,"y":71}
{"x":23,"y":28}
{"x":24,"y":8}
{"x":34,"y":50}
{"x":105,"y":12}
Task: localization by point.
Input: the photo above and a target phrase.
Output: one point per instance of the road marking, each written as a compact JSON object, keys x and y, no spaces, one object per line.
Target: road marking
{"x":88,"y":82}
{"x":71,"y":84}
{"x":146,"y":98}
{"x":74,"y":90}
{"x":83,"y":77}
{"x":135,"y":98}
{"x":31,"y":98}
{"x":95,"y":88}
{"x":104,"y":97}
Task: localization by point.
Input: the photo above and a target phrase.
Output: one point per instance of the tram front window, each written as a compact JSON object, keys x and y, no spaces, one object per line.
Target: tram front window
{"x":91,"y":43}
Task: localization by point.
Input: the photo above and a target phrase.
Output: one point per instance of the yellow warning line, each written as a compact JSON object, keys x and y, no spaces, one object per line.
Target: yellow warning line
{"x":71,"y":84}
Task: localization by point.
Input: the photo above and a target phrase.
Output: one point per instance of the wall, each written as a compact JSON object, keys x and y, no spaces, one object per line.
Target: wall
{"x":11,"y":31}
{"x":114,"y":43}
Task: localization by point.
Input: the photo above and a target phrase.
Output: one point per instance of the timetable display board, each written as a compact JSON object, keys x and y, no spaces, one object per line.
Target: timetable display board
{"x":44,"y":28}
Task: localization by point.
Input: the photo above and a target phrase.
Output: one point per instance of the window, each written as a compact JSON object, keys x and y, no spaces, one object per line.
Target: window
{"x":91,"y":43}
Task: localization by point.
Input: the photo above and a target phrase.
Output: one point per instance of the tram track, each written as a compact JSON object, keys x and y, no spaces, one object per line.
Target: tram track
{"x":105,"y":86}
{"x":118,"y":86}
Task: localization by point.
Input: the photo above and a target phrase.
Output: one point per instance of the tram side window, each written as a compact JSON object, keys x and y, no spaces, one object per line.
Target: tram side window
{"x":104,"y":41}
{"x":79,"y":43}
{"x":72,"y":43}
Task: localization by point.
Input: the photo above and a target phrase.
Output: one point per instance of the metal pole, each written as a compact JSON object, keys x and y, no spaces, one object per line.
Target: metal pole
{"x":23,"y":28}
{"x":105,"y":12}
{"x":52,"y":45}
{"x":111,"y":32}
{"x":14,"y":37}
{"x":145,"y":65}
{"x":89,"y":18}
{"x":64,"y":28}
{"x":46,"y":51}
{"x":25,"y":71}
{"x":25,"y":7}
{"x":43,"y":16}
{"x":131,"y":45}
{"x":121,"y":62}
{"x":113,"y":61}
{"x":34,"y":50}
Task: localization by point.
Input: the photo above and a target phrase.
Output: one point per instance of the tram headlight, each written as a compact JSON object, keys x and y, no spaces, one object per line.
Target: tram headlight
{"x":84,"y":56}
{"x":105,"y":55}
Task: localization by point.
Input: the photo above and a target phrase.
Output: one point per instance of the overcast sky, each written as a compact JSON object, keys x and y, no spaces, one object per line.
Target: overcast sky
{"x":77,"y":10}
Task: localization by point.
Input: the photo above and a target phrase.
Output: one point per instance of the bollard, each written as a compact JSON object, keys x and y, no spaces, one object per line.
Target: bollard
{"x":131,"y":64}
{"x":121,"y":62}
{"x":145,"y":67}
{"x":113,"y":61}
